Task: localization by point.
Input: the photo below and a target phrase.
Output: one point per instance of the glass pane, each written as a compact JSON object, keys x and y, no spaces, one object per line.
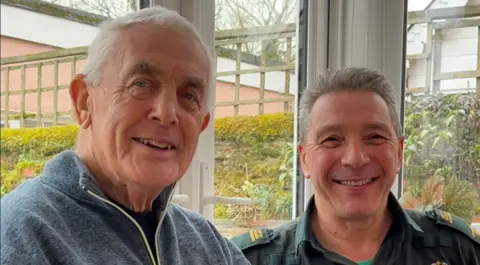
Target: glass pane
{"x":442,"y":108}
{"x":255,"y":43}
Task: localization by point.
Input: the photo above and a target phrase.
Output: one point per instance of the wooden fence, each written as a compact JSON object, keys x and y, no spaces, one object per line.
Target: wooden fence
{"x":230,"y":44}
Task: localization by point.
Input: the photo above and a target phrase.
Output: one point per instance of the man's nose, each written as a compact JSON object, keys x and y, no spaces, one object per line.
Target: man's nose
{"x":164,"y":107}
{"x":355,"y":155}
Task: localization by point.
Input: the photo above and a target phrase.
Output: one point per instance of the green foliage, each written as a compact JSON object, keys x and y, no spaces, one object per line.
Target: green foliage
{"x":262,"y":128}
{"x":442,"y":141}
{"x":23,"y":169}
{"x":453,"y":195}
{"x":25,"y":116}
{"x":260,"y":170}
{"x":38,"y":142}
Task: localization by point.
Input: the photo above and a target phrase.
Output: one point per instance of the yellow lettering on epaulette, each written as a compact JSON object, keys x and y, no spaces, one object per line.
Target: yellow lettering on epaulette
{"x":252,"y":236}
{"x":259,"y":234}
{"x":475,"y":233}
{"x":447,"y":217}
{"x":255,"y":234}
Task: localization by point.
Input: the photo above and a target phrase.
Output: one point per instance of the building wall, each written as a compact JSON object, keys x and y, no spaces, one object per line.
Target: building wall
{"x":225,"y":91}
{"x":14,"y":47}
{"x":458,"y":52}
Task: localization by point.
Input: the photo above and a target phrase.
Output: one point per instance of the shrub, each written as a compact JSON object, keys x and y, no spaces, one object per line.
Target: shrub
{"x":39,"y":142}
{"x":442,"y":143}
{"x":262,"y":127}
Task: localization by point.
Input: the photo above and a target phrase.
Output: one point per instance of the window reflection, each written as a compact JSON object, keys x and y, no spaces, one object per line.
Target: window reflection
{"x":442,"y":108}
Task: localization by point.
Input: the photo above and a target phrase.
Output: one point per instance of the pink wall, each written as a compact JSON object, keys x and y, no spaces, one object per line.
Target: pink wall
{"x":14,"y":47}
{"x":226,"y":92}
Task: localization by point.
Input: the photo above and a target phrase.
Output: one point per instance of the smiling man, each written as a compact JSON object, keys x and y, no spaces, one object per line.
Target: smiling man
{"x":351,"y":150}
{"x":141,"y":103}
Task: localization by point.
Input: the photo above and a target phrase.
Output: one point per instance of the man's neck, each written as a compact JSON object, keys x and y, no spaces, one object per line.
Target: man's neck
{"x":130,"y":195}
{"x":357,"y":240}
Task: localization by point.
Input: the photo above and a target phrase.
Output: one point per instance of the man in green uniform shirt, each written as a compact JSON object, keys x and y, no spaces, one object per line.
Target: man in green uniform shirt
{"x":351,"y":149}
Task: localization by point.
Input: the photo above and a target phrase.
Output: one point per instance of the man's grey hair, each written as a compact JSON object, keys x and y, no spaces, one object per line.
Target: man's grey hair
{"x":109,"y":30}
{"x":348,"y":79}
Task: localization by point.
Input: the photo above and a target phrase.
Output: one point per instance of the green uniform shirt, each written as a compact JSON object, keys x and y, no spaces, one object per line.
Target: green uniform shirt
{"x":415,"y":238}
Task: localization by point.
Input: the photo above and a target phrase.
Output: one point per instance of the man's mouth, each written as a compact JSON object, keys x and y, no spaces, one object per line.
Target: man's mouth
{"x":355,"y":183}
{"x":154,"y":144}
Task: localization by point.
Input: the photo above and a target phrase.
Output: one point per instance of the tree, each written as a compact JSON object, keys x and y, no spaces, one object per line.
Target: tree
{"x":107,"y":8}
{"x":235,"y":14}
{"x":248,"y":14}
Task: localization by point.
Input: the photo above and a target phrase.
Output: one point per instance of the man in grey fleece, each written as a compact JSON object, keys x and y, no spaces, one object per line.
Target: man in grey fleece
{"x":141,"y":106}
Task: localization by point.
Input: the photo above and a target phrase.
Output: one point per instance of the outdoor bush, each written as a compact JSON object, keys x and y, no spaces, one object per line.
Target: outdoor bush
{"x":39,"y":142}
{"x":262,"y":127}
{"x":442,"y":143}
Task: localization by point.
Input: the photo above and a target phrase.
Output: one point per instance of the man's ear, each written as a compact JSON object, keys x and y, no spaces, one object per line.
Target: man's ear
{"x":303,"y":161}
{"x":79,"y":97}
{"x":401,"y":142}
{"x":206,"y":120}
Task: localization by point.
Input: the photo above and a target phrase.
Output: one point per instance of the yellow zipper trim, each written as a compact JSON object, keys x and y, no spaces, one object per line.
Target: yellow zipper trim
{"x":162,"y":216}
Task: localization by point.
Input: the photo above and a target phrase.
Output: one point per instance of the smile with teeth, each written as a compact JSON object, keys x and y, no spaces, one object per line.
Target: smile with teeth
{"x":154,"y":144}
{"x":355,"y":183}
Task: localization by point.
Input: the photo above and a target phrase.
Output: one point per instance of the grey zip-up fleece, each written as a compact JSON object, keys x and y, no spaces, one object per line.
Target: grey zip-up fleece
{"x":62,"y":217}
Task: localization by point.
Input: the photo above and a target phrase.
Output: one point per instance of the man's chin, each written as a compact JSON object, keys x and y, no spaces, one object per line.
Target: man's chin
{"x":157,"y":178}
{"x":357,"y":210}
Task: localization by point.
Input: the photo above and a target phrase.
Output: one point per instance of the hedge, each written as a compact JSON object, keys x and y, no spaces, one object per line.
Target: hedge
{"x":50,"y":140}
{"x":262,"y":127}
{"x":44,"y":141}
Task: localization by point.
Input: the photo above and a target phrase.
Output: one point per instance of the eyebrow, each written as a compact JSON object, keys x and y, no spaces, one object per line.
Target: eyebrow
{"x":143,"y":68}
{"x":196,"y":82}
{"x":149,"y":69}
{"x":337,"y":127}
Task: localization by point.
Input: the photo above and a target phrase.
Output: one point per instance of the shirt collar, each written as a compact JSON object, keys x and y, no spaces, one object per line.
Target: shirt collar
{"x":400,"y":221}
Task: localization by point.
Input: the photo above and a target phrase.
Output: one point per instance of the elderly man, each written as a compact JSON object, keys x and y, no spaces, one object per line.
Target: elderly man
{"x":351,"y":150}
{"x":141,"y":105}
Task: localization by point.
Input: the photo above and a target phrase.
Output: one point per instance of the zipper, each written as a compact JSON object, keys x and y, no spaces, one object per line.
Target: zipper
{"x":162,"y":216}
{"x":144,"y":238}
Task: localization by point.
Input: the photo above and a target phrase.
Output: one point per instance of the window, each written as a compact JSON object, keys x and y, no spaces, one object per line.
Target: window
{"x":442,"y":108}
{"x":256,"y":84}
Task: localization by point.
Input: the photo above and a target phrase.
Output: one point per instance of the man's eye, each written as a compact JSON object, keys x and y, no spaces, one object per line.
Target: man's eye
{"x":331,"y":142}
{"x":140,"y":83}
{"x":141,"y":89}
{"x":190,"y":96}
{"x":376,"y":139}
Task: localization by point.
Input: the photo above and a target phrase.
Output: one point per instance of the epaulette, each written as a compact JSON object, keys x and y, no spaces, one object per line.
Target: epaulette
{"x":252,"y":238}
{"x":446,"y":219}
